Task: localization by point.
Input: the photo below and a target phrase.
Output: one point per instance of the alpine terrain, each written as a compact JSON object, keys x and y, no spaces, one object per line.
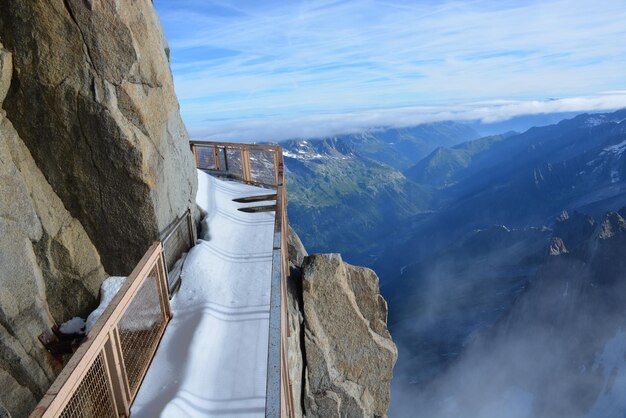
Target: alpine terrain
{"x":505,"y":280}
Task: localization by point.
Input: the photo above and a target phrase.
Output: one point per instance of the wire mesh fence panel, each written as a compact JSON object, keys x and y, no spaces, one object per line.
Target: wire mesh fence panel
{"x":262,"y":167}
{"x":235,"y":166}
{"x":140,"y":329}
{"x":221,"y":155}
{"x":178,"y":241}
{"x":104,"y":375}
{"x":93,"y":397}
{"x":206,"y":158}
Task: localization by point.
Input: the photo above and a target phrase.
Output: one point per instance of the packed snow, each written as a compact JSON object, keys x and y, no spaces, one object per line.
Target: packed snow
{"x":108,"y":289}
{"x":75,"y":325}
{"x":212,"y":360}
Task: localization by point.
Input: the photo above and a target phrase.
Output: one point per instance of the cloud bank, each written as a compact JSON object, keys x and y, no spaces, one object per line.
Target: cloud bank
{"x":321,"y":125}
{"x":247,"y":68}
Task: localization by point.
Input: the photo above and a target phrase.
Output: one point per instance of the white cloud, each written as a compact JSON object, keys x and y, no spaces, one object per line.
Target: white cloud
{"x":290,"y":62}
{"x":319,"y":125}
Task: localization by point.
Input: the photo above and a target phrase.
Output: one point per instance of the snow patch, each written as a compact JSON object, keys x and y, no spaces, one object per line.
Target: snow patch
{"x":212,"y":359}
{"x":617,"y":149}
{"x":302,"y":155}
{"x":594,"y":121}
{"x":75,"y":325}
{"x":108,"y":290}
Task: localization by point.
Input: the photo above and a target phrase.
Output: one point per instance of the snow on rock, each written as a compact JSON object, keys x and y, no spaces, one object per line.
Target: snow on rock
{"x":212,"y":360}
{"x":595,"y":121}
{"x":616,"y":149}
{"x":108,"y":290}
{"x":302,"y":155}
{"x":75,"y":325}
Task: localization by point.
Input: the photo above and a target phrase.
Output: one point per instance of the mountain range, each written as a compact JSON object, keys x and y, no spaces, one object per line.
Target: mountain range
{"x":488,"y":248}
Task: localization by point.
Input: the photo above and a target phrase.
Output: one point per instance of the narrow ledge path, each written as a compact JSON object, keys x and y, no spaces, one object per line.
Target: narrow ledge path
{"x":212,"y":360}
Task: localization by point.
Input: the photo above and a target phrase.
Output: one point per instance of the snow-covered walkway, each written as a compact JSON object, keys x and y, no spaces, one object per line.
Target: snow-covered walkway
{"x":212,"y":359}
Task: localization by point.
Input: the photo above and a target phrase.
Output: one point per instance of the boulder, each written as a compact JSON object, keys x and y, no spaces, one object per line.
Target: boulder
{"x":49,"y":268}
{"x":93,"y":99}
{"x":349,"y":354}
{"x":296,"y":249}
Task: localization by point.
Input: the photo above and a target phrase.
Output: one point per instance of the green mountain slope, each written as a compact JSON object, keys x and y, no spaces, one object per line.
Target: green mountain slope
{"x":341,"y":199}
{"x":443,"y":166}
{"x":401,"y":148}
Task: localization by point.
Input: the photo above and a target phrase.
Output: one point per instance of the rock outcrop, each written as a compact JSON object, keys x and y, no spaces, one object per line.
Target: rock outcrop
{"x":49,"y":269}
{"x":93,"y":99}
{"x":94,"y":165}
{"x":339,"y":333}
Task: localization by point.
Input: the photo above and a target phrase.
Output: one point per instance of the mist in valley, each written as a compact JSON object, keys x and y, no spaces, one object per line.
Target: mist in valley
{"x":526,"y":330}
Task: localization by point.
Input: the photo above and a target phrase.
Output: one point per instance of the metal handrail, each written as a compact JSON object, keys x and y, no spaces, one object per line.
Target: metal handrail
{"x":215,"y":160}
{"x":173,"y":249}
{"x":105,"y":373}
{"x":279,"y":395}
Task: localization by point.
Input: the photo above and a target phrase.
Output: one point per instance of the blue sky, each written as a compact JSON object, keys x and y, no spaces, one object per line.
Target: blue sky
{"x":270,"y":70}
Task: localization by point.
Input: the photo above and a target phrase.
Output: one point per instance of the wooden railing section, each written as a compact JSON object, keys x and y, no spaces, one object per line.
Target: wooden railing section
{"x":251,"y":163}
{"x":263,"y":165}
{"x":103,"y":376}
{"x":177,"y":240}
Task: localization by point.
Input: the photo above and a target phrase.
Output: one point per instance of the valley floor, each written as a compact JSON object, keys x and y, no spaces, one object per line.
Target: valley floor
{"x":213,"y":356}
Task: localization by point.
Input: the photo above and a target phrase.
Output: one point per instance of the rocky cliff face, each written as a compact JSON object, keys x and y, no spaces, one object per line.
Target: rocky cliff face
{"x":93,"y":99}
{"x":94,"y":164}
{"x":49,"y":269}
{"x":340,"y":351}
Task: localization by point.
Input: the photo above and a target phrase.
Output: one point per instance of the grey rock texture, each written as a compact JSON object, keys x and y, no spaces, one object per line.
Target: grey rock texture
{"x":338,"y":329}
{"x":557,"y":247}
{"x":296,"y":249}
{"x":93,"y":99}
{"x":94,"y":164}
{"x":295,"y":340}
{"x":49,"y":269}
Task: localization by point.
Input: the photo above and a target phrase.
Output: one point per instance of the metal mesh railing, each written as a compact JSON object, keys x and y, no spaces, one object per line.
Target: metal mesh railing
{"x":177,"y":240}
{"x":103,"y":376}
{"x":235,"y":161}
{"x":140,"y":329}
{"x":206,"y":158}
{"x":263,"y":165}
{"x":93,"y":397}
{"x":255,"y":164}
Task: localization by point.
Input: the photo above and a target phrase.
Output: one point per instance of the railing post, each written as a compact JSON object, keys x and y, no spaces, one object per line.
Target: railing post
{"x":216,"y":158}
{"x":194,"y":149}
{"x":245,"y":164}
{"x":192,"y":233}
{"x":162,"y":283}
{"x":275,"y":160}
{"x":117,"y":373}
